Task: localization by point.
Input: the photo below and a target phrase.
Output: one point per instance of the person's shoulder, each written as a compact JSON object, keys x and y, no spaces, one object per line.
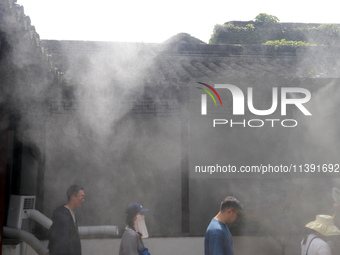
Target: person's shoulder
{"x":317,"y":242}
{"x":61,"y":210}
{"x":320,"y":242}
{"x":216,"y":224}
{"x":130,"y":232}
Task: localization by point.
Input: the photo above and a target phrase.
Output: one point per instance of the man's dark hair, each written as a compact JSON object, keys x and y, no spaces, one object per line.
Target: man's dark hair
{"x":230,"y":202}
{"x":73,"y":190}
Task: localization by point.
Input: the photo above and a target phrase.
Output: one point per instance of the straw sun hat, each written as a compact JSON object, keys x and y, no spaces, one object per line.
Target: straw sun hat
{"x":324,"y":224}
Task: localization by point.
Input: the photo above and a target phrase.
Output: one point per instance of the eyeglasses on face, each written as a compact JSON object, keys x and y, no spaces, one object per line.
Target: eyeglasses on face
{"x":237,"y":213}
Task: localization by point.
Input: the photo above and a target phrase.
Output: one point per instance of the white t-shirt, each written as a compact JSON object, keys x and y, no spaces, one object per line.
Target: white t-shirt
{"x":72,"y":213}
{"x":317,"y":246}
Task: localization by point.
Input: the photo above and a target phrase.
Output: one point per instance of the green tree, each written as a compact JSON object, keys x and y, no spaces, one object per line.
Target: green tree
{"x":267,"y":28}
{"x":266,"y":19}
{"x":288,"y":43}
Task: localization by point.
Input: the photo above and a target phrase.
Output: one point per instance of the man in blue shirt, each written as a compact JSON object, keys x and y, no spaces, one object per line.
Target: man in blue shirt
{"x":218,"y":239}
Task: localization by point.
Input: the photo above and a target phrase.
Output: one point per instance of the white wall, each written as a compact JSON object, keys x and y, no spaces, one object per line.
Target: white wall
{"x":183,"y":246}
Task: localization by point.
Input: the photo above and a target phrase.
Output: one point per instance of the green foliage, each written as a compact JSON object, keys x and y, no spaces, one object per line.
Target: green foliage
{"x":267,"y":28}
{"x":228,"y":33}
{"x":329,"y":28}
{"x":288,"y":43}
{"x":265,"y":18}
{"x":325,"y":34}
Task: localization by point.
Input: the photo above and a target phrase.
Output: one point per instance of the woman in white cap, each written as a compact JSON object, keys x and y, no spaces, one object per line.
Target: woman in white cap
{"x":131,"y":243}
{"x":316,"y":242}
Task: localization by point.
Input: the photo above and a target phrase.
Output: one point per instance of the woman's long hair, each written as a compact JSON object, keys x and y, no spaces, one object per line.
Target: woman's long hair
{"x":131,"y":224}
{"x":129,"y":221}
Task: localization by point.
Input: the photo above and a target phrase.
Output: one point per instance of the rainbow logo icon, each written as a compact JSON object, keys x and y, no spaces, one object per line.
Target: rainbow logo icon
{"x":204,"y":97}
{"x":209,"y":93}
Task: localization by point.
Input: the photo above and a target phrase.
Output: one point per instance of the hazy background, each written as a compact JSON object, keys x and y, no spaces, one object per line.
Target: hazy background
{"x":152,"y":21}
{"x":121,"y":157}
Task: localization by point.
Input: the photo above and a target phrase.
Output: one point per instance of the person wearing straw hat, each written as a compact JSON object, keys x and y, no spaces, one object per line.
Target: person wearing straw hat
{"x":317,"y":243}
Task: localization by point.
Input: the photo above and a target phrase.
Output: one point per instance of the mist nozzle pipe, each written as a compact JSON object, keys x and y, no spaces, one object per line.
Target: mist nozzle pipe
{"x":83,"y":230}
{"x":27,"y":237}
{"x":39,"y":217}
{"x":46,"y":222}
{"x":98,"y":230}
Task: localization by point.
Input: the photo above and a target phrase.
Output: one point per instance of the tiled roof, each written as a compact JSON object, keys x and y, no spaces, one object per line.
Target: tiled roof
{"x":175,"y":63}
{"x":182,"y":57}
{"x":183,"y":38}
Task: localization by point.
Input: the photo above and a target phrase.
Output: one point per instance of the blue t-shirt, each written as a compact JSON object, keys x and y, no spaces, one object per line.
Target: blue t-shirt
{"x":218,"y":239}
